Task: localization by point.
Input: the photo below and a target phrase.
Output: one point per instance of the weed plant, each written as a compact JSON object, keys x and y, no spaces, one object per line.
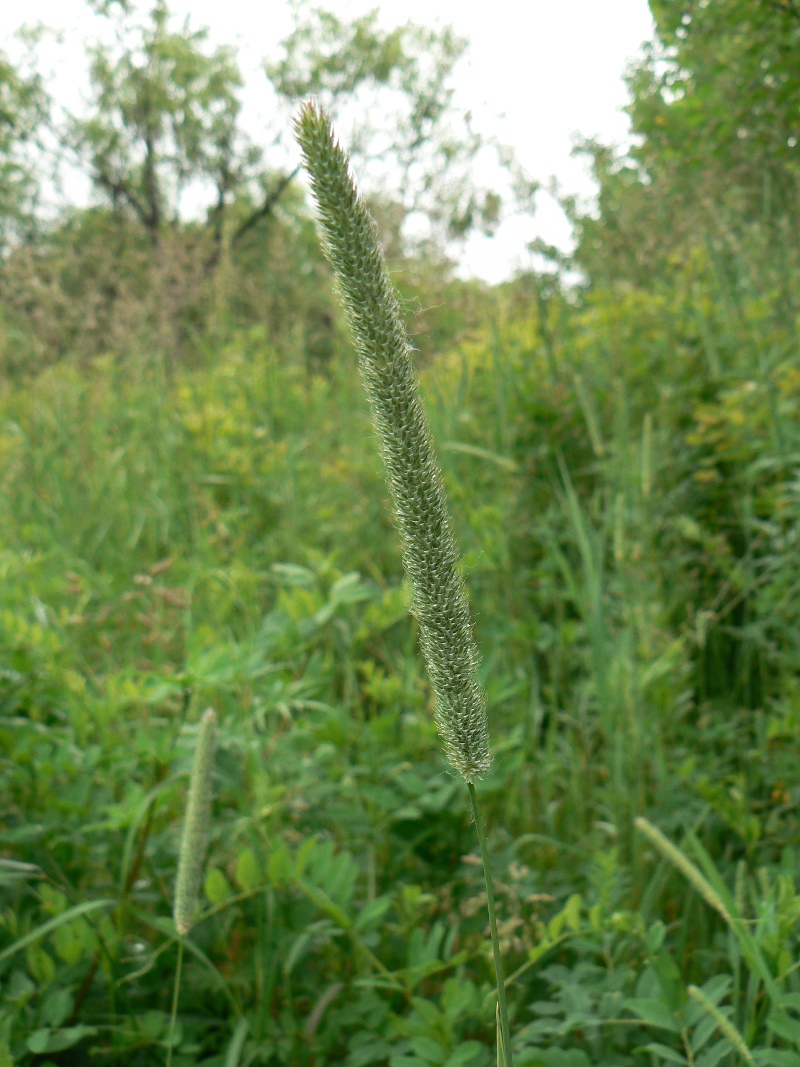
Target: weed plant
{"x":622,"y":481}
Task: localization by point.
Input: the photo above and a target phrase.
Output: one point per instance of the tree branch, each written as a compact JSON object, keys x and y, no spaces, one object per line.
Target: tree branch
{"x":217,"y":218}
{"x":266,"y":208}
{"x":120,"y":191}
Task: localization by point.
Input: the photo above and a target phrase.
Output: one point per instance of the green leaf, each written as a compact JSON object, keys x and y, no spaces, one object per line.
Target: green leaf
{"x":325,"y":904}
{"x":216,"y":886}
{"x":279,"y":867}
{"x":664,"y":1052}
{"x":480,"y":453}
{"x":293,"y":574}
{"x":713,"y":991}
{"x":248,"y":875}
{"x":670,"y":981}
{"x":372,"y":914}
{"x":784,"y":1026}
{"x":654,"y":1012}
{"x":174,"y":1035}
{"x":152,"y":1024}
{"x":716,"y":988}
{"x":304,"y":854}
{"x":654,"y":937}
{"x":428,"y":1050}
{"x":555,"y":926}
{"x":64,"y":1039}
{"x":46,"y":1040}
{"x":572,"y":912}
{"x":56,"y":1007}
{"x":367,"y":1050}
{"x":408,"y":813}
{"x":303,"y":942}
{"x":350,"y":589}
{"x":38,"y":1041}
{"x":774,"y":1057}
{"x":704,"y":1031}
{"x":712,"y":1056}
{"x":144,"y":808}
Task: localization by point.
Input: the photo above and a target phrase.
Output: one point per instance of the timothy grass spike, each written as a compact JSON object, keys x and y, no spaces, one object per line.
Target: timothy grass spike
{"x":693,"y":875}
{"x":195,"y":827}
{"x":439,"y":599}
{"x":724,"y":1024}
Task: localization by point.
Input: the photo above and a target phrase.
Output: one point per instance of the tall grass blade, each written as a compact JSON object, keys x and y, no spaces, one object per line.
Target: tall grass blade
{"x":234,"y":1051}
{"x":53,"y":924}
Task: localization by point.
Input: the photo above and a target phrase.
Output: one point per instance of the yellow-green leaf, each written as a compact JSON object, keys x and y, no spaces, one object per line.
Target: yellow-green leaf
{"x":248,"y":875}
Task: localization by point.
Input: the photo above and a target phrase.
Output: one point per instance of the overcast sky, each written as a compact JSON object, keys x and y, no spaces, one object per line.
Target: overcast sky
{"x":537,"y":73}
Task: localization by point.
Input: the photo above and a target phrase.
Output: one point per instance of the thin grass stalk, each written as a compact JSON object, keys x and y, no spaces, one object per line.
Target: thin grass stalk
{"x":176,"y":989}
{"x":504,"y":1047}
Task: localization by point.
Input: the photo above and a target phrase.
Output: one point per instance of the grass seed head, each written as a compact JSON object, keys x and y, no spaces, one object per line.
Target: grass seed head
{"x":195,"y":826}
{"x":439,"y":599}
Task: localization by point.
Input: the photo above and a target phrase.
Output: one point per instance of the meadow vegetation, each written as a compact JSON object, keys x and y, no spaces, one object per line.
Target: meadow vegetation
{"x":193,"y":515}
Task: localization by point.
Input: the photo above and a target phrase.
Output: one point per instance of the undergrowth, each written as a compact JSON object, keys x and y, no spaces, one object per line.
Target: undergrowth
{"x":171,"y":538}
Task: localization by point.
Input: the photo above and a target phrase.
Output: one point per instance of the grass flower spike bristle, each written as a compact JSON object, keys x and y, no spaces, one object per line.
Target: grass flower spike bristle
{"x":195,"y":826}
{"x":439,"y":599}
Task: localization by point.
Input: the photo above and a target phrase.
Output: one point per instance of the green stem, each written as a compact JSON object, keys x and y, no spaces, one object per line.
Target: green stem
{"x":498,"y":961}
{"x":176,"y":990}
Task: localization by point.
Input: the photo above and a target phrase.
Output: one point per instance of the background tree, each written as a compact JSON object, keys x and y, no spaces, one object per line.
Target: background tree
{"x":421,"y":157}
{"x":23,"y":108}
{"x":715,"y":113}
{"x":195,"y":225}
{"x":164,"y":119}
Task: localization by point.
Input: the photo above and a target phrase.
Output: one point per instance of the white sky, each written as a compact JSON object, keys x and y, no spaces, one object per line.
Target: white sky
{"x":536,"y":74}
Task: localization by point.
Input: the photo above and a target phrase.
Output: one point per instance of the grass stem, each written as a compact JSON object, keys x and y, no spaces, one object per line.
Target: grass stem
{"x":505,"y":1030}
{"x":175,"y":994}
